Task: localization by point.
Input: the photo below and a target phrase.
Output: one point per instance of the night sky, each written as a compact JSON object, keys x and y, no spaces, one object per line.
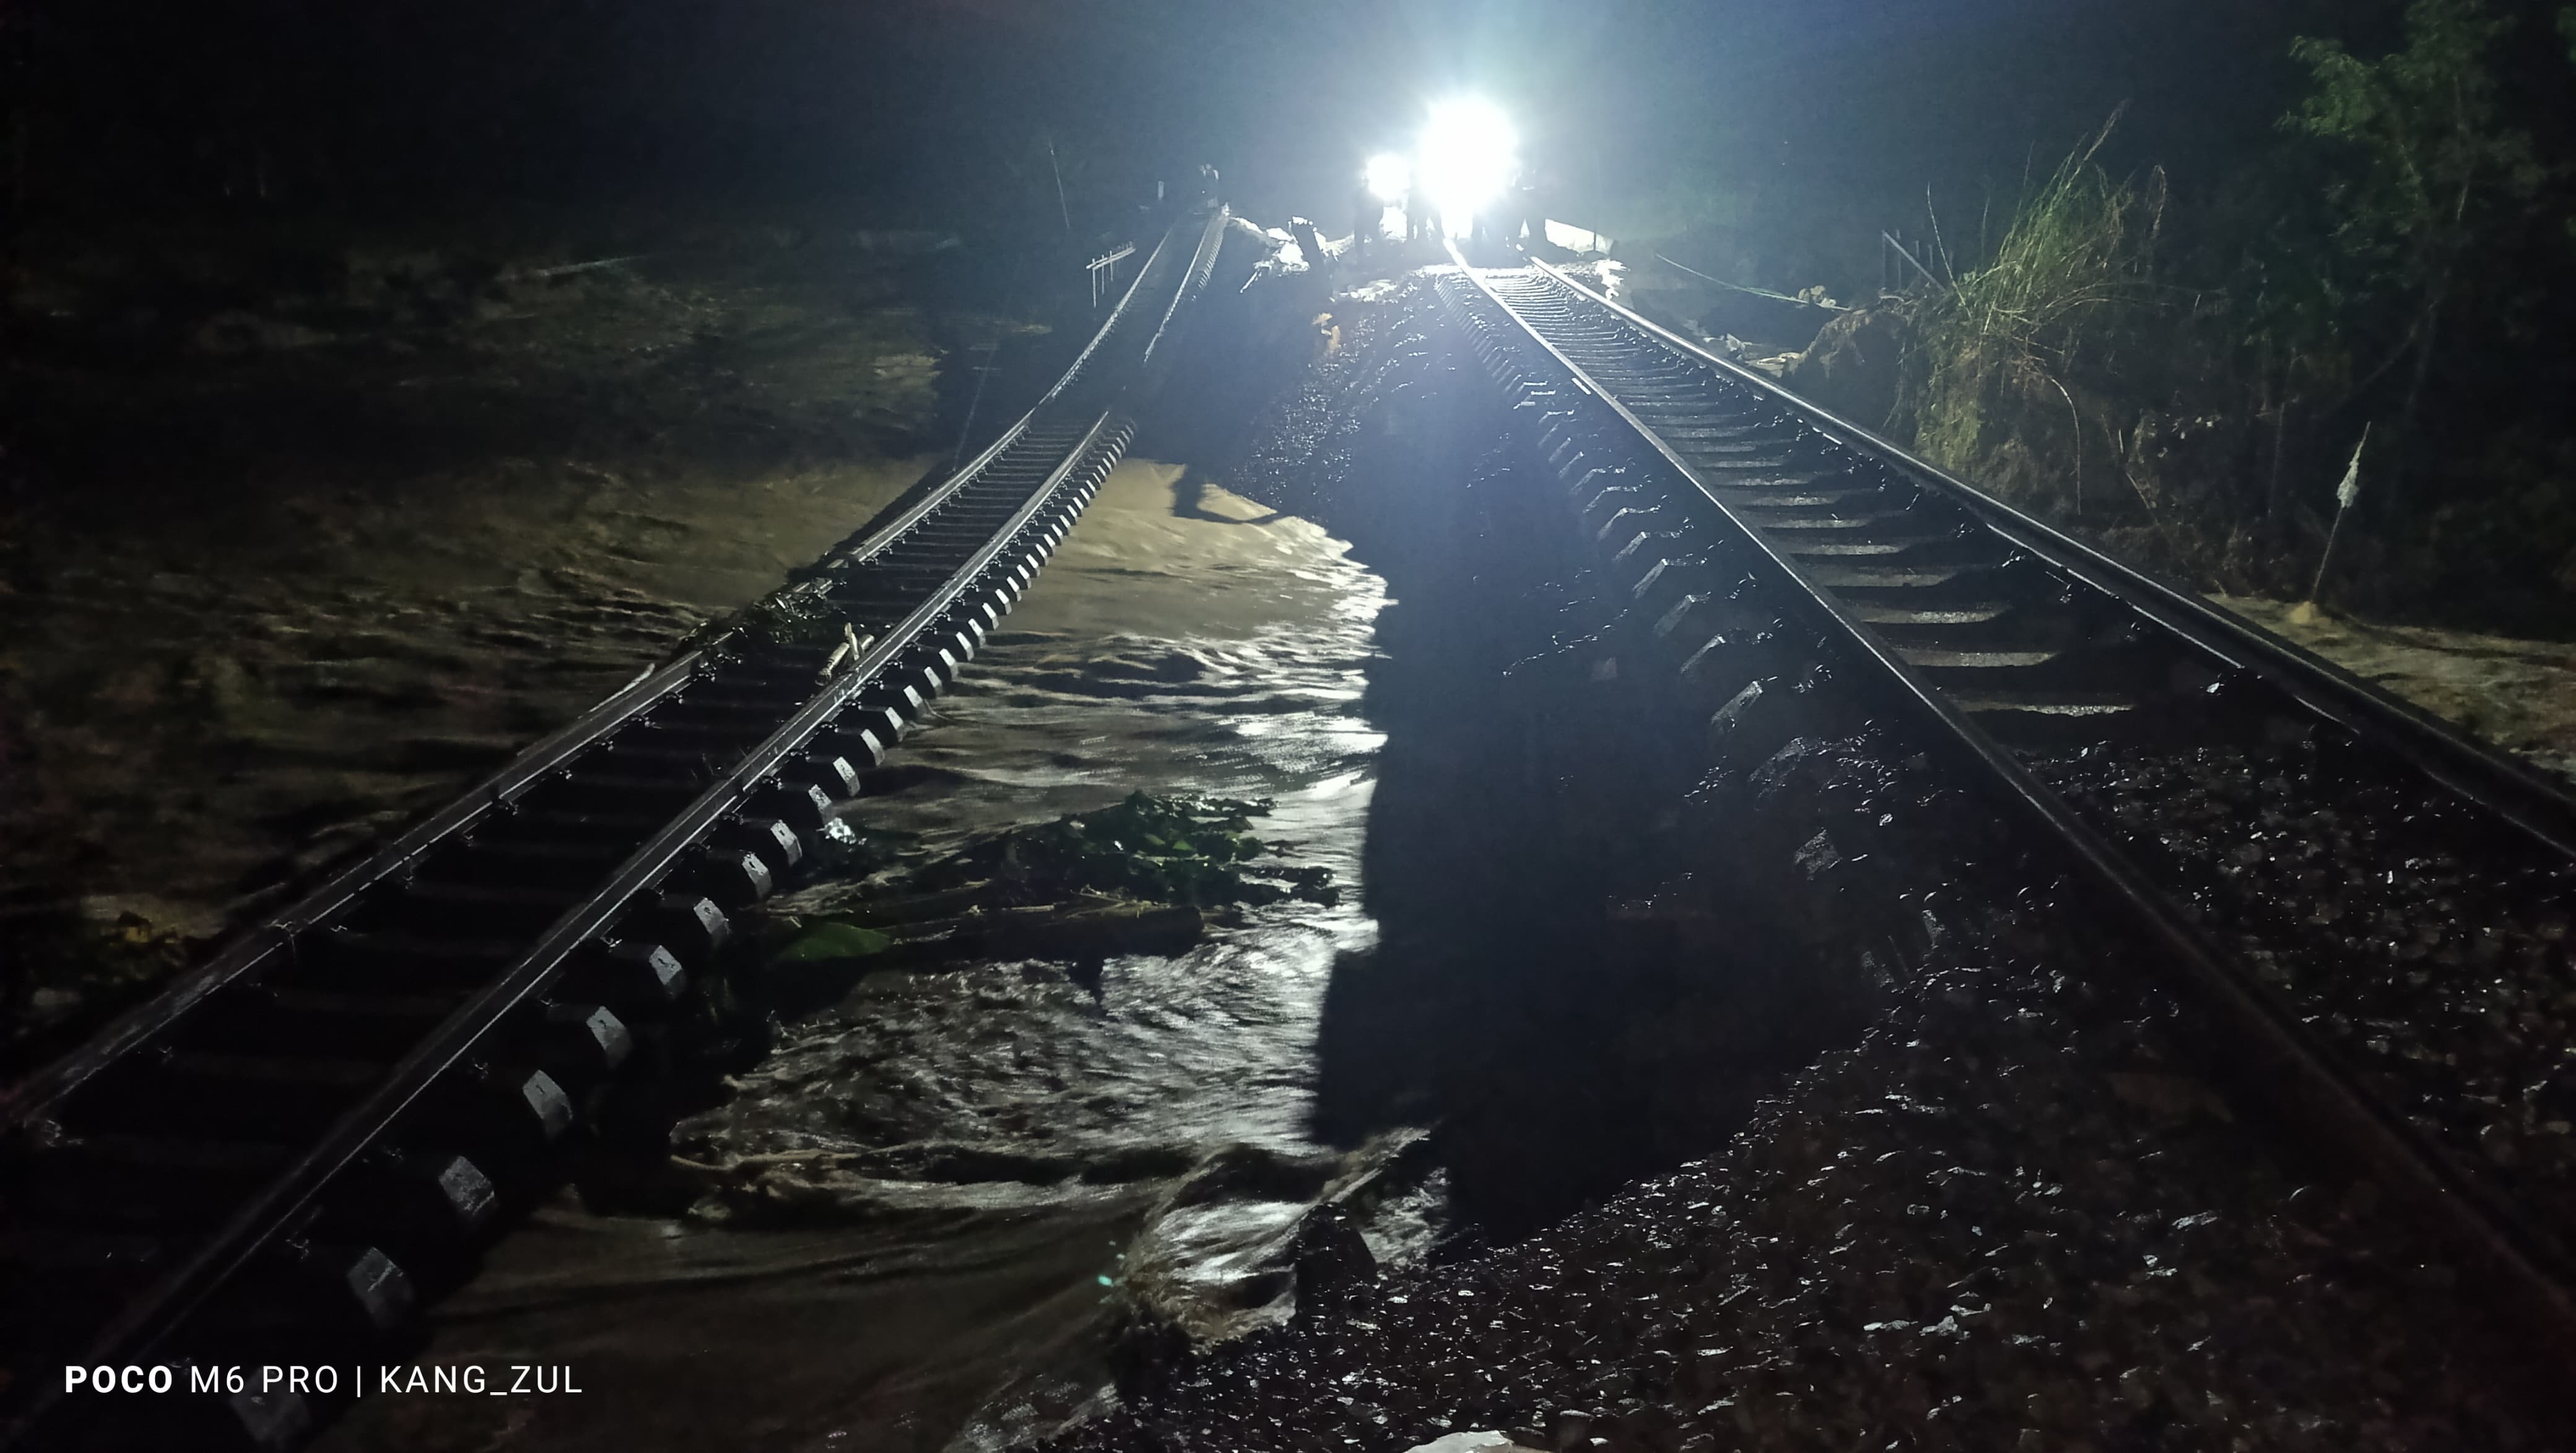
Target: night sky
{"x":930,"y":100}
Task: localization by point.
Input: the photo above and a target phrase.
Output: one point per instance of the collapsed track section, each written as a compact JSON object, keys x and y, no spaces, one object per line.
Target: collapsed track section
{"x":2370,"y":908}
{"x":276,"y":1158}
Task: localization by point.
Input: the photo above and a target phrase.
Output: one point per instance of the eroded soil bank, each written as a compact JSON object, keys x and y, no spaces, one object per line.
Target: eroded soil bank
{"x":1971,"y":1177}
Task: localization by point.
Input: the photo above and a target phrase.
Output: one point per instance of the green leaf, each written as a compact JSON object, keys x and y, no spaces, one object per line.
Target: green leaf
{"x":832,"y":940}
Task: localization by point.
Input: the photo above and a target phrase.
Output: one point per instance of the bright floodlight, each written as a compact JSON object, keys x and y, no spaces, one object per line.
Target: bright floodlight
{"x":1469,"y":156}
{"x":1389,"y":176}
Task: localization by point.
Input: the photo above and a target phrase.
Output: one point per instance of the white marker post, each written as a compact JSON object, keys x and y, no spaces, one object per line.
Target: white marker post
{"x":2345,"y":494}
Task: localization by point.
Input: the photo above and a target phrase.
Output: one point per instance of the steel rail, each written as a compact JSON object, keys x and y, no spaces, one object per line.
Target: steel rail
{"x":31,"y":1096}
{"x":2467,"y":1212}
{"x":1082,"y":361}
{"x":40,"y":1091}
{"x":2511,"y":789}
{"x":132,"y":1335}
{"x":934,"y":634}
{"x":1202,"y":262}
{"x":877,"y":537}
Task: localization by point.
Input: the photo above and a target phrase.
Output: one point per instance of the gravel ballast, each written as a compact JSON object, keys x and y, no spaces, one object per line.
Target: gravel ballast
{"x":2008,"y":1214}
{"x":2004,"y":1220}
{"x":2423,"y":939}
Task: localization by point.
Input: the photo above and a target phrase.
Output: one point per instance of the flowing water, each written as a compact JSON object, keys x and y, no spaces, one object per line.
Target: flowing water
{"x":937,"y":1207}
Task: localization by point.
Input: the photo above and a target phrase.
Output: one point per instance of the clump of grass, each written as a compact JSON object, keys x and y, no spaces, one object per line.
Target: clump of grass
{"x":65,"y":973}
{"x":2070,"y":282}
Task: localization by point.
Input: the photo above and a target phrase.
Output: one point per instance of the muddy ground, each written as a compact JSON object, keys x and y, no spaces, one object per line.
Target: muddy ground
{"x":2514,"y":693}
{"x":300,"y":533}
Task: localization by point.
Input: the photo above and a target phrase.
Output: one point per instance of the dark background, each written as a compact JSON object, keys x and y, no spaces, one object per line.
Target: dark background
{"x":946,"y":106}
{"x":1770,"y":141}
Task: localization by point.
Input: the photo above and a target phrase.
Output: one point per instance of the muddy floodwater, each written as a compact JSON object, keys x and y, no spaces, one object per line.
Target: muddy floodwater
{"x":277,"y":579}
{"x":935,"y":1206}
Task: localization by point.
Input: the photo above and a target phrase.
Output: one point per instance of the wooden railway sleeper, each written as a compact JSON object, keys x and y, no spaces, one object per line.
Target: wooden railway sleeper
{"x":296,"y":1285}
{"x":416,"y":1202}
{"x":830,"y":774}
{"x":579,"y":1045}
{"x":769,"y":839}
{"x":389,"y":962}
{"x":361,"y":1021}
{"x":130,"y":1180}
{"x":506,"y":854}
{"x":638,"y":977}
{"x":730,"y":691}
{"x":801,"y":801}
{"x":734,"y":878}
{"x":436,"y":906}
{"x":508,"y":1117}
{"x":865,"y":741}
{"x":250,"y":1421}
{"x":581,"y":790}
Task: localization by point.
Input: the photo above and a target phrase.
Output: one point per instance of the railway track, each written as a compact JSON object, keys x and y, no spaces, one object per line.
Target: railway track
{"x":2371,"y":911}
{"x":277,"y":1159}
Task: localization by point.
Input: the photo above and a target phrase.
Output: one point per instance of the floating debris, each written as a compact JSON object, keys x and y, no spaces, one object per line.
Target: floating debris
{"x":1191,"y":850}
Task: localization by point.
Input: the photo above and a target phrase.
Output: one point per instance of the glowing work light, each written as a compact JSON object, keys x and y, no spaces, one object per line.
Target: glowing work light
{"x":1468,"y":157}
{"x":1389,"y":177}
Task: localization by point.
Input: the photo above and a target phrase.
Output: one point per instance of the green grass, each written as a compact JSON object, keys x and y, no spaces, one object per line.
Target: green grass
{"x":2004,"y":346}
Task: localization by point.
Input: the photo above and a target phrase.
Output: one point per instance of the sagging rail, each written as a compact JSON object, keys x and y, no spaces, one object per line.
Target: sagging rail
{"x":273,"y":1159}
{"x":1755,"y":533}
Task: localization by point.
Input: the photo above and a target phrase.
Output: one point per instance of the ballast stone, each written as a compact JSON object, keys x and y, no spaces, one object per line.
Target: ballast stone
{"x":1470,"y":1443}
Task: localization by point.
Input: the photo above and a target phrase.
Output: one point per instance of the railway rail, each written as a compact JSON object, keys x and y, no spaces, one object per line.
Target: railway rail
{"x":2370,"y":909}
{"x":280,"y":1156}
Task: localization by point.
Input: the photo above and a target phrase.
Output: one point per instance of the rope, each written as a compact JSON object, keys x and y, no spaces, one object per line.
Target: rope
{"x":1757,"y":292}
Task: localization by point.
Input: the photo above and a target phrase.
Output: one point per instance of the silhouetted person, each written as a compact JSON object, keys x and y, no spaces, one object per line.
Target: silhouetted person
{"x":1527,"y":215}
{"x":1307,"y":242}
{"x":1368,"y":219}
